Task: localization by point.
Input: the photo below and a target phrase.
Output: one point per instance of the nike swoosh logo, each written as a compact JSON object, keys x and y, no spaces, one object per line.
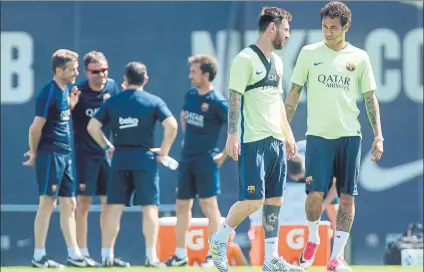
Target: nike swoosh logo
{"x":259,"y":72}
{"x":177,"y":263}
{"x":301,"y":261}
{"x":318,"y":63}
{"x":39,"y":265}
{"x":79,"y":263}
{"x":375,"y":178}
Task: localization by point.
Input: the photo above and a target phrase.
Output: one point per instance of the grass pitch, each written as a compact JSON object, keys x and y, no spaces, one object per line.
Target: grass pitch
{"x":194,"y":269}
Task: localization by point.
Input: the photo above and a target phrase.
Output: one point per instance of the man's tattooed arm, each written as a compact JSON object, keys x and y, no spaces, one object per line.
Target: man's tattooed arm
{"x":373,"y":111}
{"x":292,"y":100}
{"x":233,"y":111}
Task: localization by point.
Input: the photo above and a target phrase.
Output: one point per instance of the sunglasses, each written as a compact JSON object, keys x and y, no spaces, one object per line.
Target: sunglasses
{"x":96,"y":72}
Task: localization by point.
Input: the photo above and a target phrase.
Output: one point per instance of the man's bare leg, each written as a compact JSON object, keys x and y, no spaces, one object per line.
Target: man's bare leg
{"x":218,"y":240}
{"x":111,"y":229}
{"x":41,"y":225}
{"x":345,"y":217}
{"x":332,"y":215}
{"x":271,"y":225}
{"x":183,"y":211}
{"x":210,"y":208}
{"x":151,"y":230}
{"x":238,"y":212}
{"x":68,"y":226}
{"x":83,"y":207}
{"x":103,"y":200}
{"x":313,"y":210}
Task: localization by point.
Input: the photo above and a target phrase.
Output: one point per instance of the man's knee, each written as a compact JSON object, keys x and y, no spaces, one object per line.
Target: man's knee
{"x":209,"y":205}
{"x":316,"y":196}
{"x":346,"y":202}
{"x":46,"y":203}
{"x":274,"y":201}
{"x":183,"y":205}
{"x":252,"y":206}
{"x":83,"y":203}
{"x":150,"y":210}
{"x":103,"y":201}
{"x":114,"y":212}
{"x":67,"y":205}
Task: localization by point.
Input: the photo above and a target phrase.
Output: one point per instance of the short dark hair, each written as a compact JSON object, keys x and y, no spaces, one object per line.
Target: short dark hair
{"x":337,"y":9}
{"x":208,"y":64}
{"x":61,"y":57}
{"x":295,"y":165}
{"x":272,"y":15}
{"x":93,"y":57}
{"x":135,"y":73}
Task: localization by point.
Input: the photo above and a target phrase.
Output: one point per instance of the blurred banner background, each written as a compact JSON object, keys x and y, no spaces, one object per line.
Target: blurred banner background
{"x":163,"y":35}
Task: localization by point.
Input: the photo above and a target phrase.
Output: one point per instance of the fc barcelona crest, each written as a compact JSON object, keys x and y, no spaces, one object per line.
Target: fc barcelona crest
{"x":204,"y":107}
{"x":350,"y":67}
{"x":106,"y":96}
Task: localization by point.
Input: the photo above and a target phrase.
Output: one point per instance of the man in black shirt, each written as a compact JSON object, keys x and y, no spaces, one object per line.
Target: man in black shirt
{"x":131,"y":115}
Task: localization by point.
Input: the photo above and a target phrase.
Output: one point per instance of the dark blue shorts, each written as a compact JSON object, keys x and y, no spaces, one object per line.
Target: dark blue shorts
{"x":262,"y":169}
{"x":93,"y":173}
{"x":328,"y":158}
{"x":199,"y":177}
{"x":143,"y":183}
{"x":54,"y":174}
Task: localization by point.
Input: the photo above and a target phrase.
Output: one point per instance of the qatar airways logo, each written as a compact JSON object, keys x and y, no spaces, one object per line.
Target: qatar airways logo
{"x":91,"y":112}
{"x":335,"y":81}
{"x":127,"y":122}
{"x":65,"y":115}
{"x":194,"y":119}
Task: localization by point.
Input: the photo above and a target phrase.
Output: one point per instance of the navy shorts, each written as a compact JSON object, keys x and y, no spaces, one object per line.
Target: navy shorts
{"x":262,"y":169}
{"x":92,"y":172}
{"x":328,"y":158}
{"x":199,"y":177}
{"x":54,"y":174}
{"x":142,"y":185}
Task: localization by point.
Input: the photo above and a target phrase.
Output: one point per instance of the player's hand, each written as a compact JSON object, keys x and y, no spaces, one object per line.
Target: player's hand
{"x":219,"y":159}
{"x":74,"y":97}
{"x":291,"y":149}
{"x":377,"y":149}
{"x":158,"y":152}
{"x":109,"y":152}
{"x":31,"y":161}
{"x":232,"y":146}
{"x":124,"y":85}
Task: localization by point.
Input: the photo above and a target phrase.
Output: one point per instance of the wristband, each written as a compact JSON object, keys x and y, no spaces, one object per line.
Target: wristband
{"x":106,"y":148}
{"x":379,"y":138}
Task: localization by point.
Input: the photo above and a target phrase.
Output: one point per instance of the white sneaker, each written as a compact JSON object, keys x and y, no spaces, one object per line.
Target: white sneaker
{"x":208,"y":262}
{"x":279,"y":264}
{"x":219,"y":253}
